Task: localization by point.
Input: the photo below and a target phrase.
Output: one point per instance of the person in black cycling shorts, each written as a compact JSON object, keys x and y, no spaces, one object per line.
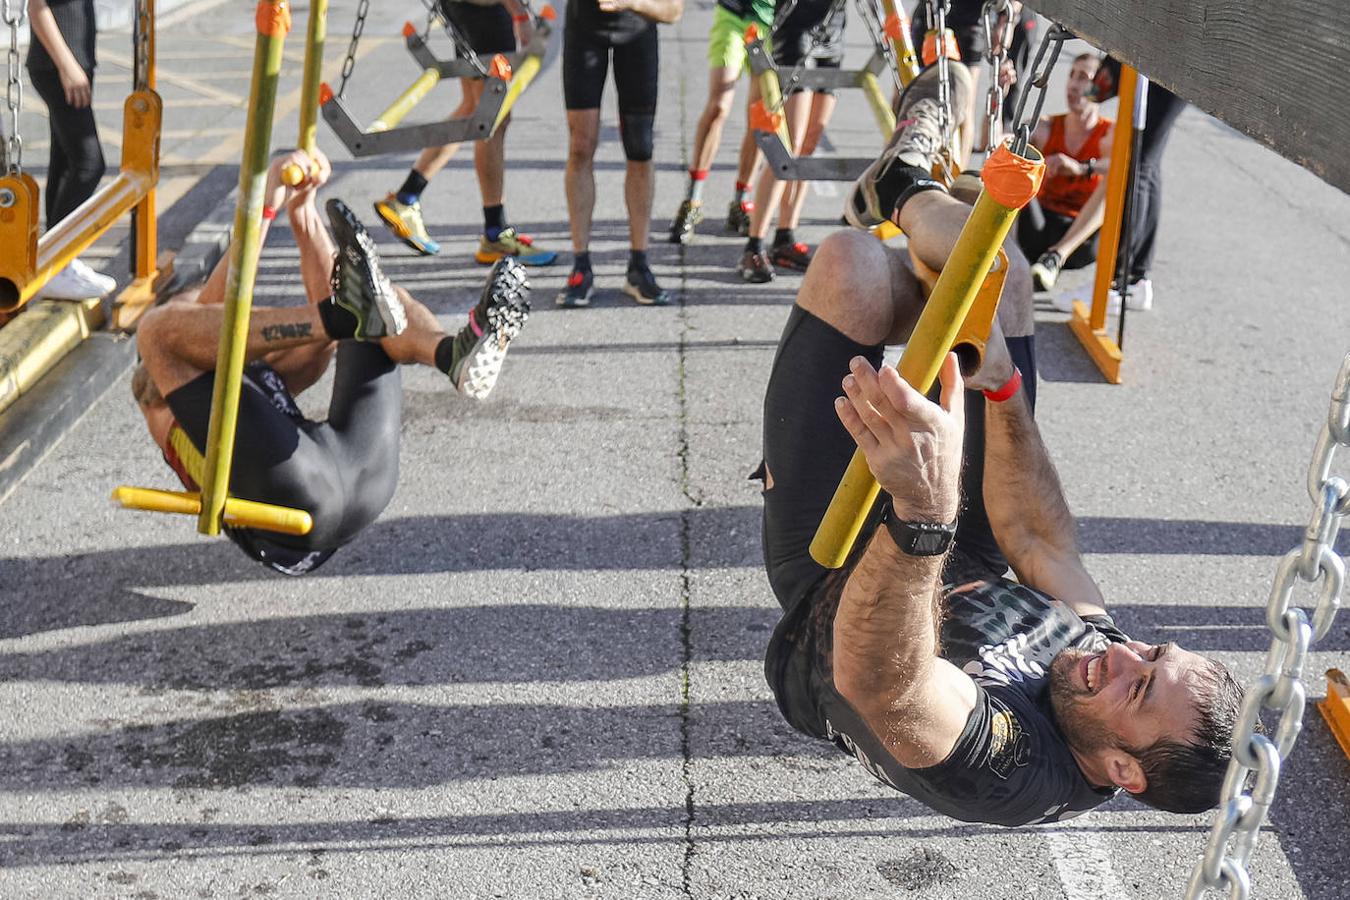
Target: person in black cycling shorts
{"x":342,"y":471}
{"x":985,"y":698}
{"x":811,"y":36}
{"x":489,"y":29}
{"x":595,"y":32}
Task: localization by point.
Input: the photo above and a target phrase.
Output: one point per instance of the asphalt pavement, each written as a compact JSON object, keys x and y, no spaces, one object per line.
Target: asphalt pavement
{"x":539,"y":674}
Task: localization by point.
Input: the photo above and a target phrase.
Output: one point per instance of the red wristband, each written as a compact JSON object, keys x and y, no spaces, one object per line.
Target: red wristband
{"x":269,"y":213}
{"x":520,"y":18}
{"x":1009,"y":388}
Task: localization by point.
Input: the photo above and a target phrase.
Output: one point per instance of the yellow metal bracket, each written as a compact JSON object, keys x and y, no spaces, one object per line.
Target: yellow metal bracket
{"x":1336,"y":708}
{"x":18,"y":238}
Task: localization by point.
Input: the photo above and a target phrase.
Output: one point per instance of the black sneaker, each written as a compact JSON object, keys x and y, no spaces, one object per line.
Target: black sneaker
{"x":738,"y":217}
{"x":914,"y":145}
{"x":795,"y":256}
{"x":359,"y":284}
{"x":754,"y":267}
{"x":1045,"y":271}
{"x":480,"y":346}
{"x":682,"y":229}
{"x":580,"y":286}
{"x":641,"y":286}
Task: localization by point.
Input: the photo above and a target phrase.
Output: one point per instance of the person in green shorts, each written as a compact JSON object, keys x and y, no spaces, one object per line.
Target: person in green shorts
{"x":726,"y":60}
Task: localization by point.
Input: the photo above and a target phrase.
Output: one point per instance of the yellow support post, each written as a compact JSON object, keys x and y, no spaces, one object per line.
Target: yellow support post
{"x":273,"y":21}
{"x":902,"y":43}
{"x":139,"y":296}
{"x":885,"y":116}
{"x":943,"y":317}
{"x":315,"y":36}
{"x":19,"y":196}
{"x":525,"y":73}
{"x":1336,"y":708}
{"x":237,"y":513}
{"x":1089,"y":324}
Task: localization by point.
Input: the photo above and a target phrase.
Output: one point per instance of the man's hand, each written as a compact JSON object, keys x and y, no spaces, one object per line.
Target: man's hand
{"x":75,"y":84}
{"x":1061,"y":164}
{"x":1007,"y":74}
{"x":913,"y":446}
{"x":614,"y":6}
{"x":316,"y":172}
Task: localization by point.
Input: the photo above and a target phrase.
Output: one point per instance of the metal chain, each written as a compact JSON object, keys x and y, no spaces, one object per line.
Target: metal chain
{"x":1281,"y":689}
{"x":876,"y":27}
{"x":15,"y":13}
{"x":1038,"y":80}
{"x":358,"y":28}
{"x":817,"y":33}
{"x":937,"y":19}
{"x":997,"y":18}
{"x":142,"y":45}
{"x":462,"y":44}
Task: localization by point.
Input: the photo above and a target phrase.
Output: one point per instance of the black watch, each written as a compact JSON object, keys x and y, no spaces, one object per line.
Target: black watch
{"x":920,"y":538}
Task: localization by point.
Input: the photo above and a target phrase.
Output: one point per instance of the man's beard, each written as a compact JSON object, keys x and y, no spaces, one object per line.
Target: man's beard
{"x":1081,"y":728}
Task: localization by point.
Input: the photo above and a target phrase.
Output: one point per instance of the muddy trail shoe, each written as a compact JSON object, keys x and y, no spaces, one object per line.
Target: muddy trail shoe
{"x":359,"y":284}
{"x":1045,"y":271}
{"x":795,"y":257}
{"x":754,"y":267}
{"x":688,"y":218}
{"x":580,"y":286}
{"x":641,"y":285}
{"x":480,"y":347}
{"x":738,"y":217}
{"x":912,"y":148}
{"x":405,"y":221}
{"x":510,"y":243}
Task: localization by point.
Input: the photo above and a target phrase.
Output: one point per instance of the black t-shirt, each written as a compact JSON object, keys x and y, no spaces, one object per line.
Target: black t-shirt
{"x":75,"y":19}
{"x":585,"y":17}
{"x":1011,"y":765}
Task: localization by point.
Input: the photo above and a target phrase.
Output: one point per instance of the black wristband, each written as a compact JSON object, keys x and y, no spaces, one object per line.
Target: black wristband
{"x":920,"y":538}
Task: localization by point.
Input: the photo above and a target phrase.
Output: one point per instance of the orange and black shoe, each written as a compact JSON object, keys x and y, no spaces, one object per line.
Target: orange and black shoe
{"x":795,"y":256}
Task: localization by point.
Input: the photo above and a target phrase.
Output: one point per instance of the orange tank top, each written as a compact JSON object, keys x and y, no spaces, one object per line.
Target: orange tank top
{"x":1066,"y":194}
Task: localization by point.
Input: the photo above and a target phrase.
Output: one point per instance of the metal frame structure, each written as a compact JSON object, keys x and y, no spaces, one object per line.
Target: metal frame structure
{"x":28,"y":261}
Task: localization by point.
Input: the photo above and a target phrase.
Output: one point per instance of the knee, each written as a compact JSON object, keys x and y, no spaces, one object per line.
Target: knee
{"x":638,"y":133}
{"x":581,"y":149}
{"x":848,"y":283}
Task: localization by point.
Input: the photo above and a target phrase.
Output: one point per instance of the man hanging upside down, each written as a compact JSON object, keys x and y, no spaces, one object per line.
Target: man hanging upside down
{"x":988,"y":699}
{"x":343,"y":471}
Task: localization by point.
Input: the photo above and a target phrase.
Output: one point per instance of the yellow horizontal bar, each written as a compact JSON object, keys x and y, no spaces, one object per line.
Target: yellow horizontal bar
{"x":399,"y":109}
{"x":238,"y":513}
{"x":76,"y":232}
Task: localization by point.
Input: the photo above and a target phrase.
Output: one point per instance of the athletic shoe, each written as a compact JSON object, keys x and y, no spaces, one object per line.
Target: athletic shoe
{"x":508,"y":243}
{"x":915,"y":144}
{"x":754,"y":267}
{"x":76,"y":282}
{"x":641,"y":286}
{"x":791,"y":256}
{"x":738,"y":217}
{"x":480,"y":347}
{"x":580,"y":286}
{"x":1140,"y":299}
{"x":682,"y":229}
{"x":359,"y":284}
{"x":1045,"y":271}
{"x":405,"y":221}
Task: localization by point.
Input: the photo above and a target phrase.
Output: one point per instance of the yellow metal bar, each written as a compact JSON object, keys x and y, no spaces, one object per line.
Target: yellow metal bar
{"x":237,"y":514}
{"x":880,"y":108}
{"x":86,"y":224}
{"x":273,"y":19}
{"x":1089,"y":324}
{"x":953,"y":296}
{"x":902,"y":43}
{"x":147,"y":225}
{"x":525,"y":73}
{"x":771,"y":95}
{"x":19,"y":197}
{"x":315,"y":36}
{"x":1336,"y":708}
{"x":399,"y":109}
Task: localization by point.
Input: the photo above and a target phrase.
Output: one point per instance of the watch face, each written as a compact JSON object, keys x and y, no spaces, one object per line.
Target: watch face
{"x":930,"y":543}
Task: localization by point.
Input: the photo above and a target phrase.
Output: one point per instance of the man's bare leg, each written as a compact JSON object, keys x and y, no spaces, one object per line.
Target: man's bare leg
{"x":583,"y":126}
{"x":639,"y":189}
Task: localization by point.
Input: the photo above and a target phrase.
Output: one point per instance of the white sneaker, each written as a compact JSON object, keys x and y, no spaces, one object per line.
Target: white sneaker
{"x":76,"y":282}
{"x":1140,"y":299}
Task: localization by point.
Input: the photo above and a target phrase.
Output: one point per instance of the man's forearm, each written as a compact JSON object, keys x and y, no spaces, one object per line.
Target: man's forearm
{"x":665,"y":11}
{"x":316,"y":251}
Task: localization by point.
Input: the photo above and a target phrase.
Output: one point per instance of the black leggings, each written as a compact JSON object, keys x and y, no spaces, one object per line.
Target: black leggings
{"x":75,"y":164}
{"x":343,"y":471}
{"x":1038,"y":229}
{"x":806,"y":450}
{"x":1163,"y":109}
{"x":637,"y":69}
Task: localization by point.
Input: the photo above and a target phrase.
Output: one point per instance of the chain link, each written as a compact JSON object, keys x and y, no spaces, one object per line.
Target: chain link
{"x":997,"y":19}
{"x":15,"y":14}
{"x":1047,"y":54}
{"x":358,"y":28}
{"x":937,"y":20}
{"x":462,"y":44}
{"x":876,"y":27}
{"x":1257,"y":758}
{"x":818,"y":34}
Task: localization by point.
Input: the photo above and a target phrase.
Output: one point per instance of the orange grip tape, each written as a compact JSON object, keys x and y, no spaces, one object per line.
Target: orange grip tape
{"x":500,"y":68}
{"x":273,"y":18}
{"x":409,"y":29}
{"x":751,"y":34}
{"x":763,"y":120}
{"x":895,"y":26}
{"x":325,"y":93}
{"x":930,"y":52}
{"x":1010,"y":179}
{"x":548,"y":12}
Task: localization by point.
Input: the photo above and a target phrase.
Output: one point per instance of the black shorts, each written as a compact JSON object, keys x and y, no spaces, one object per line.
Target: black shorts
{"x":637,"y":70}
{"x":342,"y":471}
{"x":488,"y":29}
